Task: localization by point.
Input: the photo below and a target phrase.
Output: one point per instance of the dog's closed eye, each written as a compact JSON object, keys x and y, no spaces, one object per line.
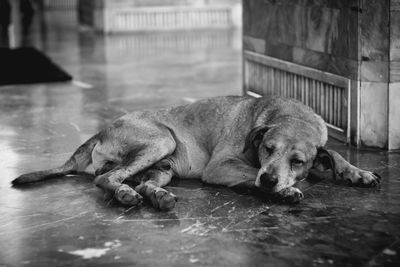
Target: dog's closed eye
{"x":270,"y":148}
{"x":297,"y":162}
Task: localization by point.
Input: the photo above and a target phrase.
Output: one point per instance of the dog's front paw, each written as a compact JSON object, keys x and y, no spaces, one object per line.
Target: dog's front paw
{"x":163,"y":199}
{"x":358,"y":177}
{"x":290,"y":195}
{"x":159,"y":197}
{"x":127,"y":196}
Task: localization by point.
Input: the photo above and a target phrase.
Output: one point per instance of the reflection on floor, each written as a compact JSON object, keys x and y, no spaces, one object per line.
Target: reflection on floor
{"x":67,"y":222}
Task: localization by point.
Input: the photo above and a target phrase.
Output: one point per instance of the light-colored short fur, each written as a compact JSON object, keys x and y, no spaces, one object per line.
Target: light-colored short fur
{"x":267,"y":143}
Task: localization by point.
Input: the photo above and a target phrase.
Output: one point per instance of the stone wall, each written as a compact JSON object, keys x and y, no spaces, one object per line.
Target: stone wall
{"x":357,"y":40}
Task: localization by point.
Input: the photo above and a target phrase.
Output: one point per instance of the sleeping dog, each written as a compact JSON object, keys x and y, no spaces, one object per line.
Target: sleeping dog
{"x":265,"y":143}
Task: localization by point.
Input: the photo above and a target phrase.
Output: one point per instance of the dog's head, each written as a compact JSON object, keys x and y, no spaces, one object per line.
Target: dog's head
{"x":286,"y":152}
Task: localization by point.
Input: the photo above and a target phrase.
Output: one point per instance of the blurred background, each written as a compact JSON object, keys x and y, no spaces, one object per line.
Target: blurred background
{"x":150,"y":47}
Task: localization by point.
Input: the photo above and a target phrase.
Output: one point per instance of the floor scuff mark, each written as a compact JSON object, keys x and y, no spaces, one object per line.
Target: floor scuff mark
{"x":389,"y":252}
{"x":52,"y":223}
{"x":198,"y":229}
{"x":90,"y":253}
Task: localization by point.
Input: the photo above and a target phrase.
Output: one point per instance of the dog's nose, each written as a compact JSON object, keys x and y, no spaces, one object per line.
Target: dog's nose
{"x":268,"y":181}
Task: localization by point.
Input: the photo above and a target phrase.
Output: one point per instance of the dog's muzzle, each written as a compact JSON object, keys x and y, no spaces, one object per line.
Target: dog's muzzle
{"x":268,"y":181}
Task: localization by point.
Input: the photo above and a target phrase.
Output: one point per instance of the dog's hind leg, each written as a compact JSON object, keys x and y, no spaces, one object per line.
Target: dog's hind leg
{"x":139,"y":161}
{"x":153,"y":179}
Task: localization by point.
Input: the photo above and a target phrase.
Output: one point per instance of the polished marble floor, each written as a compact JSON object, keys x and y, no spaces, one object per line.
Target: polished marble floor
{"x":68,"y":222}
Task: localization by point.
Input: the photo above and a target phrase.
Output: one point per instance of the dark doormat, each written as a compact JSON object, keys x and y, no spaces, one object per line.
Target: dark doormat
{"x":28,"y":65}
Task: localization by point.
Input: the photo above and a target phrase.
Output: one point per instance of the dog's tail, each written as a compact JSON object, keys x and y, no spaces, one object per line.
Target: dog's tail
{"x":81,"y":158}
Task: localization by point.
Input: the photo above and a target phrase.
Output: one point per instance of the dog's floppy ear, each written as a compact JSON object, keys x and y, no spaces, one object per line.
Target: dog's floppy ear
{"x":324,"y":161}
{"x":254,"y":137}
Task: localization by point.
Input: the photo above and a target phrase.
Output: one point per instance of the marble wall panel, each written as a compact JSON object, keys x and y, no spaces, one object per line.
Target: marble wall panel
{"x":329,"y":28}
{"x":255,"y":19}
{"x":374,"y":71}
{"x":357,"y":39}
{"x":394,"y":116}
{"x":395,"y":5}
{"x":395,"y":35}
{"x":374,"y":30}
{"x":279,"y":50}
{"x":373,"y":115}
{"x":394,"y":85}
{"x":325,"y":26}
{"x":395,"y":41}
{"x":253,"y":44}
{"x":395,"y":71}
{"x":334,"y":64}
{"x":321,"y":29}
{"x":324,"y":31}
